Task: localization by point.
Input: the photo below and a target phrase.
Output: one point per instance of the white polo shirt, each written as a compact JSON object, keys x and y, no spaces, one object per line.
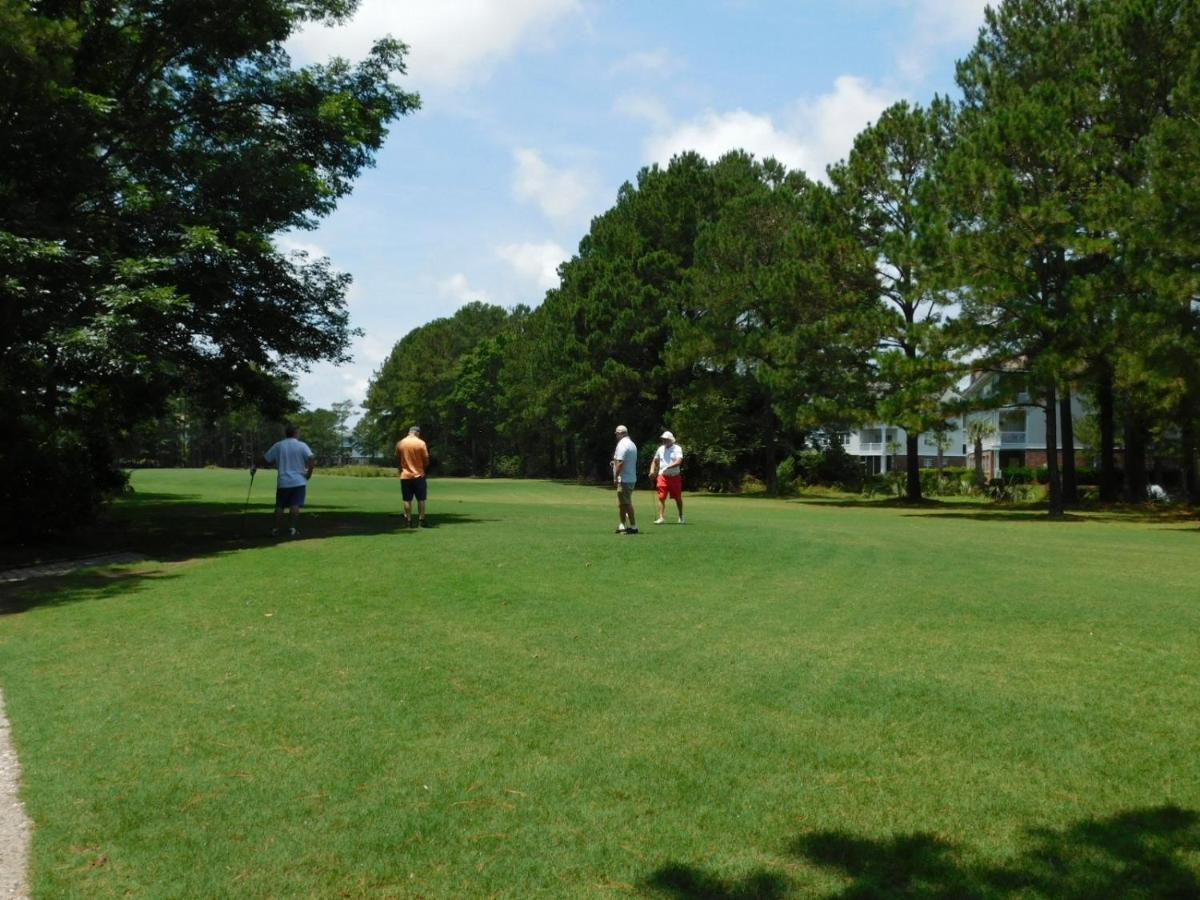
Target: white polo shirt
{"x":669,"y":459}
{"x":627,"y":452}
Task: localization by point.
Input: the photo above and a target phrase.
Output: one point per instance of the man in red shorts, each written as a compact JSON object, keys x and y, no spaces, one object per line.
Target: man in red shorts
{"x":666,"y":465}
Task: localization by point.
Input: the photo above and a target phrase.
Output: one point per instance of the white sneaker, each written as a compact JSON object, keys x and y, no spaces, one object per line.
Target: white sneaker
{"x":681,"y":522}
{"x":659,"y":520}
{"x":293,"y":532}
{"x":621,"y":528}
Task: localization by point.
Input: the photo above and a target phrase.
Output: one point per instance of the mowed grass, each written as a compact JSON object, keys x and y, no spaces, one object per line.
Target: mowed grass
{"x":777,"y":699}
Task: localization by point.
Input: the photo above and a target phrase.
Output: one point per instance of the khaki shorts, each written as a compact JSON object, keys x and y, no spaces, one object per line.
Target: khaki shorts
{"x":625,"y":492}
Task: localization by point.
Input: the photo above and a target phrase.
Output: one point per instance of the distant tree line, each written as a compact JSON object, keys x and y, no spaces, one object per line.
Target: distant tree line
{"x":1048,"y":217}
{"x":192,"y":434}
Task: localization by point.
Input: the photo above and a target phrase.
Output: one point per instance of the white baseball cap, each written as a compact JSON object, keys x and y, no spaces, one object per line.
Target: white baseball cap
{"x":667,"y":436}
{"x":621,"y":429}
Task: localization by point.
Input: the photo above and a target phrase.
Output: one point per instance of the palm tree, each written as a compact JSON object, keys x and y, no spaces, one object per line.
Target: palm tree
{"x":977,"y":430}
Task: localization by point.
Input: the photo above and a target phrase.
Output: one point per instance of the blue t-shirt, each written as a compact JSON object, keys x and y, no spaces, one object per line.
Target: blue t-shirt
{"x":290,"y":457}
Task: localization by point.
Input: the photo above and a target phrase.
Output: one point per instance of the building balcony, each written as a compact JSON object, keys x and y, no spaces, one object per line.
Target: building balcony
{"x":1012,"y":437}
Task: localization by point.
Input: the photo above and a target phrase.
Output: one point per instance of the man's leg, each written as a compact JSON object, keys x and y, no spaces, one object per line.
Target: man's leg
{"x":407,"y":493}
{"x":278,"y":519}
{"x":422,"y":487}
{"x":295,"y":518}
{"x":627,"y":502}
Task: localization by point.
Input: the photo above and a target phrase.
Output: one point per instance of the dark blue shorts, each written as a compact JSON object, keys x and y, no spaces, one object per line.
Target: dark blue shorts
{"x":286,"y":498}
{"x":413,"y":487}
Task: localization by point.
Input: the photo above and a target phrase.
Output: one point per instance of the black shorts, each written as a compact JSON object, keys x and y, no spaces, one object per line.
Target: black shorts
{"x":286,"y":498}
{"x":413,"y":487}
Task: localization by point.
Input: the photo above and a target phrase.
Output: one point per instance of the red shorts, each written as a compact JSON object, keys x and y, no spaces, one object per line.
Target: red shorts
{"x":670,"y":486}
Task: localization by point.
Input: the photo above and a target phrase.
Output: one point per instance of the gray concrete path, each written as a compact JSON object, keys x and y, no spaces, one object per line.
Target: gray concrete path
{"x":15,"y":827}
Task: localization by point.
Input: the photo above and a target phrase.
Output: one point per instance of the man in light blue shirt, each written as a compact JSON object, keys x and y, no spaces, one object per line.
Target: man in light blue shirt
{"x":294,"y":461}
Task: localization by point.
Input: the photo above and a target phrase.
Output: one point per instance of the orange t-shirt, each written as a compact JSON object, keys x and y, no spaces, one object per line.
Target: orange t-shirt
{"x":412,"y":456}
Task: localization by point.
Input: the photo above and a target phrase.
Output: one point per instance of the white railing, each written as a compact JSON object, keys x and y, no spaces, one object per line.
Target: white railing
{"x":876,"y":447}
{"x":1012,"y":437}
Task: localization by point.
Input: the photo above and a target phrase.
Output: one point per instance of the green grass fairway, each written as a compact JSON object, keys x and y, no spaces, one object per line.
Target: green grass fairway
{"x":800,"y":698}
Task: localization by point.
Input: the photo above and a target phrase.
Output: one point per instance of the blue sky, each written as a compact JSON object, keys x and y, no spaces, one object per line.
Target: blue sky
{"x":535,"y":111}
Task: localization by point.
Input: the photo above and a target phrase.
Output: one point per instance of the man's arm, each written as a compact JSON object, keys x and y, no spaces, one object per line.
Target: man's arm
{"x":311,"y":464}
{"x":618,"y":465}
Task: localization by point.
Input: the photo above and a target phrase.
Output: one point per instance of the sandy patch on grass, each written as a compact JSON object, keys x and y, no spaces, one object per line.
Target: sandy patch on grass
{"x":66,"y":567}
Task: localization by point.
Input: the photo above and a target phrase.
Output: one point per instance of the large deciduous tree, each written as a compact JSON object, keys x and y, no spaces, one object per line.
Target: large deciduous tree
{"x":152,"y":149}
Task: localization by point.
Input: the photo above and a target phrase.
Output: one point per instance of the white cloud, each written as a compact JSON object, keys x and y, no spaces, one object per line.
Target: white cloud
{"x":817,"y":132}
{"x":642,"y":107}
{"x":451,"y":41}
{"x":835,"y":119}
{"x":714,"y":134}
{"x":935,"y":25}
{"x":652,"y":62}
{"x":457,"y":289}
{"x":561,"y":194}
{"x":373,"y":350}
{"x":289,"y":243}
{"x":537,"y":263}
{"x":327,"y":384}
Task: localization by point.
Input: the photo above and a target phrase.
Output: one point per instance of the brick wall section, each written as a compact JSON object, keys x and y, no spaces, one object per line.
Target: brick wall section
{"x":1035,"y":458}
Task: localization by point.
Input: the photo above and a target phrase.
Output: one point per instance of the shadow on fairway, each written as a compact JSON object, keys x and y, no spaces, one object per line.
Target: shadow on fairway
{"x":1145,"y":853}
{"x":984,"y":511}
{"x":1179,"y":520}
{"x":78,"y":587}
{"x":175,"y":527}
{"x":690,"y":883}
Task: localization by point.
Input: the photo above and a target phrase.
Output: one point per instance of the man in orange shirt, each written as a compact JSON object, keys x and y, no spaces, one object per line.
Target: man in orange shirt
{"x":412,"y":456}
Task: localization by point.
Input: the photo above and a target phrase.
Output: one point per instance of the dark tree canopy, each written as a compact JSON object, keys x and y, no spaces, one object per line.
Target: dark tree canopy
{"x":152,"y":151}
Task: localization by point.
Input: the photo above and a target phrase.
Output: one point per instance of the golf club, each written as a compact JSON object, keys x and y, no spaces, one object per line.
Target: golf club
{"x":246,"y":505}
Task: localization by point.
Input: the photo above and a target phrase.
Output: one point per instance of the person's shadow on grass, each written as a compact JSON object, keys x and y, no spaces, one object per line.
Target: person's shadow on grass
{"x":1140,"y":853}
{"x":176,"y":528}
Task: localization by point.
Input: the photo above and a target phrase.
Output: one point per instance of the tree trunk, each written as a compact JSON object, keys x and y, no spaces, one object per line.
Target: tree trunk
{"x":1053,"y":482}
{"x":1187,"y":433}
{"x":914,"y":467}
{"x":979,"y":479}
{"x":770,"y":475}
{"x":1108,"y":468}
{"x":1070,"y":491}
{"x":769,"y":450}
{"x":1135,"y":462}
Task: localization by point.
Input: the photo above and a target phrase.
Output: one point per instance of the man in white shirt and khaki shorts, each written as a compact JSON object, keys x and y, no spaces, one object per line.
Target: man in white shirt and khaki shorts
{"x":624,"y":466}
